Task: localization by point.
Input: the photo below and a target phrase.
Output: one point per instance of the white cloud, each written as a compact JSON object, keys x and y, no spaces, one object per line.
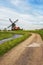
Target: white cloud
{"x":16,"y":2}
{"x":21,"y":5}
{"x":25,"y":20}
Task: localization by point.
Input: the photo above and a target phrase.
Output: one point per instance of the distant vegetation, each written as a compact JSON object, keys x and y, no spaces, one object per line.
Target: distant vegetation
{"x":12,"y":43}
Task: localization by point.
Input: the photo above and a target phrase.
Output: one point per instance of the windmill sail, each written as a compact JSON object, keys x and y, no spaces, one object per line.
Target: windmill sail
{"x":15,"y":21}
{"x":10,"y":20}
{"x":9,"y":26}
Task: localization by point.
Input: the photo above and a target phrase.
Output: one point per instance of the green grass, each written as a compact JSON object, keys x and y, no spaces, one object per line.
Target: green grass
{"x":4,"y":35}
{"x":5,"y":47}
{"x":39,"y":32}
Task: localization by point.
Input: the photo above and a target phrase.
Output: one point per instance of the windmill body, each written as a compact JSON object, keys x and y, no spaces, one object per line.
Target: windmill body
{"x":13,"y":25}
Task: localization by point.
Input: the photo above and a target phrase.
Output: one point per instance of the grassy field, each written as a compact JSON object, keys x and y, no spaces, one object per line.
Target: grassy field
{"x":5,"y":47}
{"x":4,"y":35}
{"x":39,"y":32}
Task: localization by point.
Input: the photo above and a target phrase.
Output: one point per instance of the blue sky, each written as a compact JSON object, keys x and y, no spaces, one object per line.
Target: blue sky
{"x":29,"y":13}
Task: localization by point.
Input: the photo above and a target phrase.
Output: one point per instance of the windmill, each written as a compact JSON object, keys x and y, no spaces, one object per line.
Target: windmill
{"x":13,"y":25}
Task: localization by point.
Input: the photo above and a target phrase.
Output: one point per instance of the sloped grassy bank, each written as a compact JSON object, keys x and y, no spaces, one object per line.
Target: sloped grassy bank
{"x":5,"y":47}
{"x":39,"y":32}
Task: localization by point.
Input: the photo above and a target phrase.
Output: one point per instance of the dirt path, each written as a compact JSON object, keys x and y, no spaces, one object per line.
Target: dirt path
{"x":25,"y":53}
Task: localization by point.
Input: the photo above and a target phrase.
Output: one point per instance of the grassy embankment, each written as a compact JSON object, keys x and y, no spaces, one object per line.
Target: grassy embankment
{"x":39,"y":32}
{"x":4,"y":35}
{"x":5,"y":47}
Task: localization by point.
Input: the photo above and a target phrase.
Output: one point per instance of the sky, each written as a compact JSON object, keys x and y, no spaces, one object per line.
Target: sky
{"x":28,"y":12}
